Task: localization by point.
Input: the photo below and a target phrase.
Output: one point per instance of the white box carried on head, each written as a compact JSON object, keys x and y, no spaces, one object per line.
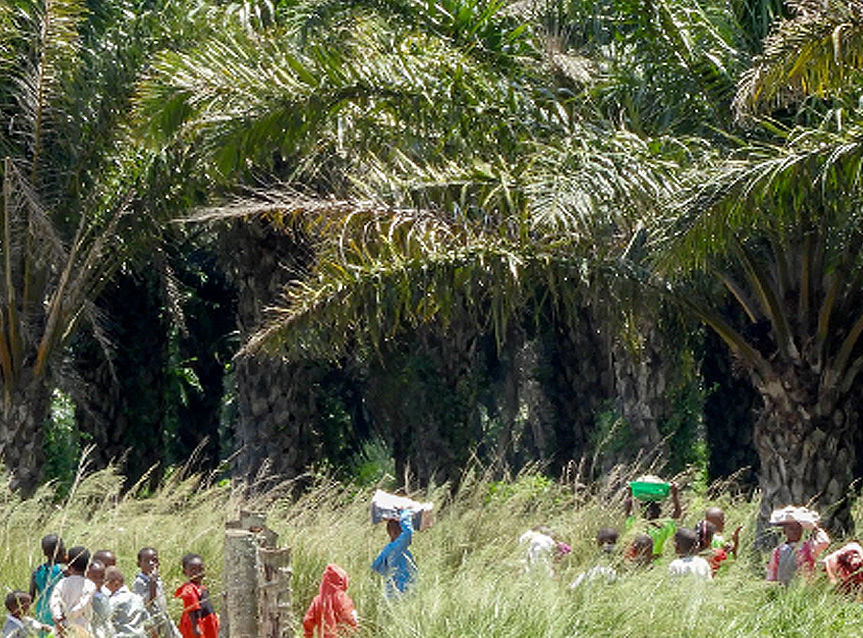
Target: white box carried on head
{"x":387,"y":506}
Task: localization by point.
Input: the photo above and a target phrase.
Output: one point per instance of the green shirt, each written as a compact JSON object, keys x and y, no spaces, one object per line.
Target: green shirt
{"x":660,"y":530}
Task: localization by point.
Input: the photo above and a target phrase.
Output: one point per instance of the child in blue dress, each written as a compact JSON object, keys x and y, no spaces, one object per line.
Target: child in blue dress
{"x":46,"y":576}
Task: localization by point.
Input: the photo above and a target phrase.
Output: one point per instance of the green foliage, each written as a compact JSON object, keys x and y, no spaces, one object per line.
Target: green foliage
{"x":372,"y":464}
{"x":528,"y":487}
{"x":684,"y":429}
{"x":610,"y":433}
{"x":63,"y":443}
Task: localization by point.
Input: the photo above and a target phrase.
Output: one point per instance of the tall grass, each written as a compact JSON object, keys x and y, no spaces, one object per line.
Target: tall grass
{"x":471,"y":582}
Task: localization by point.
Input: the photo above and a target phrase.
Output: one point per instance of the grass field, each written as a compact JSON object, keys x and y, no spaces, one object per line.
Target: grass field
{"x":471,"y":579}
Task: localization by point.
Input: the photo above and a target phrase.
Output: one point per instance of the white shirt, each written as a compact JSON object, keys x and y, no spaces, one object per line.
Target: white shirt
{"x":691,"y":566}
{"x":540,"y":548}
{"x":21,"y":627}
{"x":72,"y":600}
{"x":128,"y":615}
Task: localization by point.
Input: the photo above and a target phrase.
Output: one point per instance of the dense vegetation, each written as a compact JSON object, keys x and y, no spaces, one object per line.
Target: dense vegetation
{"x":296,"y":232}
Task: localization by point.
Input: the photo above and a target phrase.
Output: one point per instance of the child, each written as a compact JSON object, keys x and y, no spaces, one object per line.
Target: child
{"x":713,"y":554}
{"x":18,"y":624}
{"x":844,"y":568}
{"x":640,"y":551}
{"x":148,"y":586}
{"x":795,"y":555}
{"x":106,"y":557}
{"x":101,"y":619}
{"x":46,"y":576}
{"x":71,"y":600}
{"x":199,"y":619}
{"x":716,"y":517}
{"x":332,"y":609}
{"x":603,"y":570}
{"x":542,"y":547}
{"x":395,"y":561}
{"x":659,"y":529}
{"x":687,"y":563}
{"x":129,"y":619}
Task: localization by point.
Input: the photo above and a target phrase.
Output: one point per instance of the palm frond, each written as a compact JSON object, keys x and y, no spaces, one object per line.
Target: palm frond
{"x":767,"y":190}
{"x":817,"y":52}
{"x":47,"y":49}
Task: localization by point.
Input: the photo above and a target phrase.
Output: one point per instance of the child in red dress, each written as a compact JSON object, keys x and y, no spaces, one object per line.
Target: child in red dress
{"x":199,"y":619}
{"x":332,"y":611}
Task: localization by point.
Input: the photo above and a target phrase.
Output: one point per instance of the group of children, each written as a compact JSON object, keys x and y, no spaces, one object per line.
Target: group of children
{"x":703,"y":551}
{"x":79,"y":594}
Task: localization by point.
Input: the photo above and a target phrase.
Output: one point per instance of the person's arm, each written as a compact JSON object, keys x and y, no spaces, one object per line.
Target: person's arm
{"x":310,"y":620}
{"x":772,"y":575}
{"x":347,"y":611}
{"x":406,"y":520}
{"x":32,"y":589}
{"x":397,"y":546}
{"x":820,"y":541}
{"x":55,"y":603}
{"x":675,"y":500}
{"x":735,"y":541}
{"x":627,"y":501}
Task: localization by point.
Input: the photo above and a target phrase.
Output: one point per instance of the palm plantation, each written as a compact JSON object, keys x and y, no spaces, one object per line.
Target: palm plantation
{"x":452,"y":178}
{"x":577,"y":149}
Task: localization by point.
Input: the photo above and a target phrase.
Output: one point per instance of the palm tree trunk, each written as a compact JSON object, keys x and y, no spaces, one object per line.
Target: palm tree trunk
{"x":641,"y":380}
{"x":21,"y":436}
{"x":806,"y":448}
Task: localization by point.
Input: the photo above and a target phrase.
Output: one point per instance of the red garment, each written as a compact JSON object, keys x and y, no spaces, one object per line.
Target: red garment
{"x":715,"y":558}
{"x":198,"y":612}
{"x":332,"y":610}
{"x":845,"y":568}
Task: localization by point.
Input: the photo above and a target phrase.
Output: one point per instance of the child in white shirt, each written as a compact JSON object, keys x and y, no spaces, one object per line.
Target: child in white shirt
{"x":687,"y":562}
{"x":71,"y":599}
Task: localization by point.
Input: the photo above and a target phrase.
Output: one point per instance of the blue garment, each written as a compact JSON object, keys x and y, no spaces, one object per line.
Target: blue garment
{"x":44,"y":578}
{"x":395,"y":561}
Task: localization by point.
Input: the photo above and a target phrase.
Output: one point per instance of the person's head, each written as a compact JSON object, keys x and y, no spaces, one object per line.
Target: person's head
{"x":716,"y":516}
{"x":705,"y":530}
{"x":96,"y":572}
{"x":114,"y":579}
{"x":193,"y":568}
{"x":394,"y":528}
{"x":79,"y":558}
{"x":685,"y":541}
{"x":106,"y":557}
{"x":52,"y":547}
{"x":18,"y":603}
{"x":334,"y":579}
{"x":148,"y":560}
{"x":851,"y":562}
{"x":640,"y":551}
{"x":652,"y":510}
{"x":793,"y":531}
{"x":606,"y":538}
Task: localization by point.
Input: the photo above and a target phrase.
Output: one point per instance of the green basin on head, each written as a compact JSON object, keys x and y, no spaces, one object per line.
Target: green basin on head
{"x":650,"y":491}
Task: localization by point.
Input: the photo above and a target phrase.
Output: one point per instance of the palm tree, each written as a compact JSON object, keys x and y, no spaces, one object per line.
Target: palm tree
{"x":448,"y":159}
{"x":780,"y":230}
{"x":817,"y":52}
{"x":778,"y":225}
{"x":69,"y":185}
